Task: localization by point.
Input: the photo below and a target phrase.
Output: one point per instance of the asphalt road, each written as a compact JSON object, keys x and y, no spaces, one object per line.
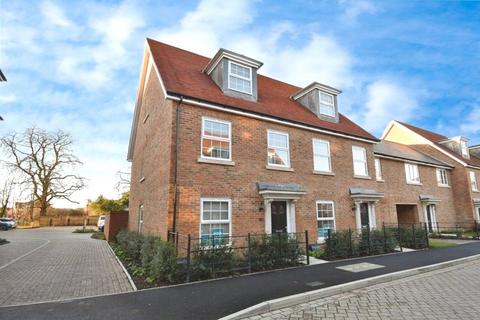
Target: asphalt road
{"x":215,"y":299}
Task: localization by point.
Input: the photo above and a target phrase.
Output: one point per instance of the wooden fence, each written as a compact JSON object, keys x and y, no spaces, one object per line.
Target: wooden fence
{"x":47,"y":221}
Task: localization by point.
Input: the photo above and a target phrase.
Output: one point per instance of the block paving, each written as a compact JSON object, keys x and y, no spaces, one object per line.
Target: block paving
{"x":450,"y":293}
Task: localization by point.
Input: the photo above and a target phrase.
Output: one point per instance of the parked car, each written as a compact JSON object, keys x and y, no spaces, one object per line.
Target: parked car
{"x":101,"y":223}
{"x":12,"y":222}
{"x":6,"y":224}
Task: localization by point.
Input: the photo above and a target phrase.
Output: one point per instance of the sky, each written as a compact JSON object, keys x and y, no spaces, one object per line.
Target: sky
{"x":75,"y":65}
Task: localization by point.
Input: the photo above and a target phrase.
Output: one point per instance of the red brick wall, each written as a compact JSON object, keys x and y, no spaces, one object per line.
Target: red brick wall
{"x":460,"y":182}
{"x":152,"y":159}
{"x":397,"y":191}
{"x":249,"y":152}
{"x":114,"y":222}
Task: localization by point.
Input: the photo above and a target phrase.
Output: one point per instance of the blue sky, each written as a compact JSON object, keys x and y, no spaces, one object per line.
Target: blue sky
{"x":75,"y":65}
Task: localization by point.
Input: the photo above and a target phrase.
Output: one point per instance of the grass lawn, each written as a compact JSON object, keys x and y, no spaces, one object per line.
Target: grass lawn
{"x":441,"y":244}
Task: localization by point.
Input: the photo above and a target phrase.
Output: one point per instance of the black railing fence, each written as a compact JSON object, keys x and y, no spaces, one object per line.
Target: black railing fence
{"x":456,"y":230}
{"x":222,"y":255}
{"x":373,"y":241}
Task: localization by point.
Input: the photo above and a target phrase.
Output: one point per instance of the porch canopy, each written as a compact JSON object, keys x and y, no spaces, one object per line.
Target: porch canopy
{"x":290,"y":191}
{"x":425,"y":198}
{"x":366,"y":195}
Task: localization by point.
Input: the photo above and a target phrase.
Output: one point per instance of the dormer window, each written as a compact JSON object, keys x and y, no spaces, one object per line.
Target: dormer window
{"x":239,"y":78}
{"x":327,"y":104}
{"x":319,"y":99}
{"x":235,"y":74}
{"x":464,"y":148}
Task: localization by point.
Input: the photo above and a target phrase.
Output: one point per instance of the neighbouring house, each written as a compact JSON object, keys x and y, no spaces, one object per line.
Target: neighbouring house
{"x":417,"y":187}
{"x":219,"y":149}
{"x":463,"y":179}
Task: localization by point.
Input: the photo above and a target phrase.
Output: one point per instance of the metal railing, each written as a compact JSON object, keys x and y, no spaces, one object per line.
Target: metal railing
{"x":222,"y":255}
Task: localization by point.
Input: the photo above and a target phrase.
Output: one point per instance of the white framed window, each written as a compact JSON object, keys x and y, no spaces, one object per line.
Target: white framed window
{"x":278,"y":151}
{"x":473,"y":181}
{"x":216,"y":139}
{"x":327,"y":104}
{"x":325,"y":218}
{"x":321,"y":156}
{"x":360,"y":167}
{"x":411,"y":172}
{"x":215,"y":220}
{"x":464,"y":149}
{"x":378,"y":169}
{"x":140,"y":218}
{"x":239,"y":78}
{"x":442,"y":177}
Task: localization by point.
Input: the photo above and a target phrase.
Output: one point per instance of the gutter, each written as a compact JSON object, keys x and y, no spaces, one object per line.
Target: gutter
{"x":175,"y":174}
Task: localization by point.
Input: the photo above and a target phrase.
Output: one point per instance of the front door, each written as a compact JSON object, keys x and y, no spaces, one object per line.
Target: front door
{"x":478,"y":213}
{"x":364,"y":215}
{"x":279,"y":216}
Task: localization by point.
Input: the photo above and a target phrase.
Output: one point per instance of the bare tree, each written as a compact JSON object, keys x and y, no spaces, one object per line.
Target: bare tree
{"x":46,"y":162}
{"x":123,"y":180}
{"x":5,"y":196}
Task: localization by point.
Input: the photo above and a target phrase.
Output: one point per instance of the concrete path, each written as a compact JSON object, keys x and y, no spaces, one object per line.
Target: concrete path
{"x":49,"y":264}
{"x":216,"y":299}
{"x":450,"y":293}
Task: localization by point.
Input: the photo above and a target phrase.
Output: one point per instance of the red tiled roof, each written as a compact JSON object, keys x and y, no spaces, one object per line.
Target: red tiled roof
{"x":181,"y":72}
{"x":436,"y":139}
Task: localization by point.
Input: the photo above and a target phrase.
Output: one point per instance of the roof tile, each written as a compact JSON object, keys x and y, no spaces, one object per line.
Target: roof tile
{"x":181,"y":72}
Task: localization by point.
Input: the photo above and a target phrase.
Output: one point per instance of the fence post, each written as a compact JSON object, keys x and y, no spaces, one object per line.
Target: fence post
{"x":306,"y":247}
{"x":176,"y":241}
{"x":384,"y":239}
{"x":414,"y":236}
{"x":427,"y":241}
{"x":476,"y":230}
{"x":189,"y":247}
{"x":368,"y":239}
{"x":350,"y":249}
{"x":249,"y":254}
{"x":329,"y":243}
{"x":456,"y":231}
{"x":399,"y":238}
{"x":213,"y":254}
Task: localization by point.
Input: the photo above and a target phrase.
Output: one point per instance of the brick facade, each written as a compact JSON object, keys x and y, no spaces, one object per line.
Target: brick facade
{"x":459,"y":177}
{"x":163,"y":188}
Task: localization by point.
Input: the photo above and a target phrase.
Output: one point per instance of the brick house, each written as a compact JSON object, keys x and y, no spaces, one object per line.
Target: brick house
{"x":417,"y":187}
{"x":217,"y":148}
{"x":465,"y":161}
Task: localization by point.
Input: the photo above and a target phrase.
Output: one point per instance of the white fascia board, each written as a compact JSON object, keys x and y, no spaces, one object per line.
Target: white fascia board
{"x":430,"y":143}
{"x":266,"y":118}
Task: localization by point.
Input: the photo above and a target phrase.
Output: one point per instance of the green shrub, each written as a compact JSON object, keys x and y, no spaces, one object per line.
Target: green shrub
{"x":98,"y":235}
{"x":211,"y":261}
{"x":318,"y":253}
{"x":275,"y":251}
{"x":84,"y":230}
{"x":147,"y":251}
{"x":340,"y":245}
{"x":163,"y":266}
{"x":131,"y":243}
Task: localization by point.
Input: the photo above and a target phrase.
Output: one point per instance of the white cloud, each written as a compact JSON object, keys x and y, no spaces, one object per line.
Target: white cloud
{"x":471,"y":124}
{"x":387,"y":101}
{"x":54,"y":14}
{"x":355,"y":8}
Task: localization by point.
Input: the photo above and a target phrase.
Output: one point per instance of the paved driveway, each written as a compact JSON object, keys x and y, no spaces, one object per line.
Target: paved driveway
{"x":49,"y":264}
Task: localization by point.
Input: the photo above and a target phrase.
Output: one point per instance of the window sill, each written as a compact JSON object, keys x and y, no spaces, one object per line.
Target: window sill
{"x":216,"y":161}
{"x":380,"y":180}
{"x":476,"y":191}
{"x":415,"y":183}
{"x":279,"y":168}
{"x":324,"y":173}
{"x":363,"y":177}
{"x":444,"y":186}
